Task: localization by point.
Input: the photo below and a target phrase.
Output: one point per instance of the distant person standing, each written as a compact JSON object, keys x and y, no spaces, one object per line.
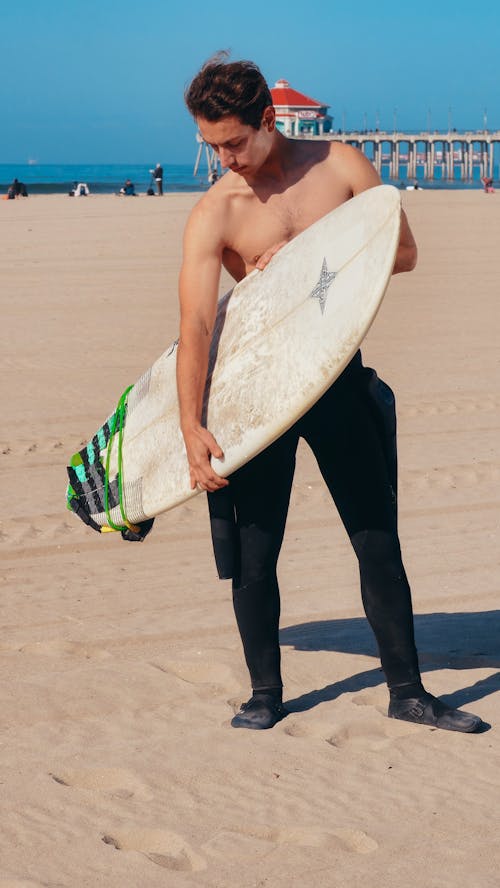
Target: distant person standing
{"x":158,"y":177}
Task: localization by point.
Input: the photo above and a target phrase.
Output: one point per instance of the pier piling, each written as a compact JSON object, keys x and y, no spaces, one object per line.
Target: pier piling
{"x":429,"y":151}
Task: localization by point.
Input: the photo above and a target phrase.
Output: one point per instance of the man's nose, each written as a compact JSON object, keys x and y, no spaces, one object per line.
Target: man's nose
{"x":226,"y":157}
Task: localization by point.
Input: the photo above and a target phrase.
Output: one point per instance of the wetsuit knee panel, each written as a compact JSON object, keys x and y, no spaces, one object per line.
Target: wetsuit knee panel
{"x":378,"y":548}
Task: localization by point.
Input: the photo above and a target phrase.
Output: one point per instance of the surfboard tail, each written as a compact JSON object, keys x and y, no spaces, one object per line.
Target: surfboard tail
{"x":95,"y":497}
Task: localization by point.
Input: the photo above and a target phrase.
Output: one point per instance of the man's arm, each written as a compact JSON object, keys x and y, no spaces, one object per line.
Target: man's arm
{"x":198,"y":291}
{"x":361,"y":175}
{"x":406,"y":257}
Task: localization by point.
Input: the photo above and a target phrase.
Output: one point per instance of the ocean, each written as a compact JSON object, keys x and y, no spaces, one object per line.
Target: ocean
{"x":109,"y":178}
{"x":101,"y":178}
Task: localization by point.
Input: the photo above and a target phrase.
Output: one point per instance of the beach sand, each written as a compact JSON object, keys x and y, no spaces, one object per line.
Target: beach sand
{"x":122,"y":665}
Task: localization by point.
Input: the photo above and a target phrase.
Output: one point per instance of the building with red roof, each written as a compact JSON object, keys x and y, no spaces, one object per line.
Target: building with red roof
{"x":298,"y":114}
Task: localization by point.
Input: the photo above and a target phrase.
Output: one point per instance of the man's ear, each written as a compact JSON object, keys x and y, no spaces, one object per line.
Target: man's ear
{"x":269,"y":118}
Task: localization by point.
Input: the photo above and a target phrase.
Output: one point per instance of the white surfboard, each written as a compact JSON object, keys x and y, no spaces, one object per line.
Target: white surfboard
{"x":282,"y":337}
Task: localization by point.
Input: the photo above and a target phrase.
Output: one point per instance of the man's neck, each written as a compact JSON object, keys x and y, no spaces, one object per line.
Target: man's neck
{"x":277,"y":164}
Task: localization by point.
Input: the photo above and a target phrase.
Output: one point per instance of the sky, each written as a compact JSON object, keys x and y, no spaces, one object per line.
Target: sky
{"x":102,"y":81}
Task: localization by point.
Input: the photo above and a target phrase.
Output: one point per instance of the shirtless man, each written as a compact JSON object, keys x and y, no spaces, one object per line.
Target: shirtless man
{"x":274,"y":189}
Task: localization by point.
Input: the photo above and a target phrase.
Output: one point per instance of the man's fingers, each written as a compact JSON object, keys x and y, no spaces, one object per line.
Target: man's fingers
{"x":266,"y":257}
{"x":211,"y":488}
{"x":201,"y":446}
{"x":203,"y":476}
{"x":212,"y":485}
{"x":214,"y":482}
{"x":212,"y":445}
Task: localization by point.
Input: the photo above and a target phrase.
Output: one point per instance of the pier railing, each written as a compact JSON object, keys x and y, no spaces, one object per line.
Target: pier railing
{"x":427,"y":150}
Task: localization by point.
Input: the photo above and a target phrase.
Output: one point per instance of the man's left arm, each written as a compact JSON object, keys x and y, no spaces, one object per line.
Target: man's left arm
{"x":406,"y":256}
{"x":362,"y":175}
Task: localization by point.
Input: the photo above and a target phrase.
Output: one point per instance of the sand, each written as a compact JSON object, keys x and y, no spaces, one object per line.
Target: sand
{"x":122,"y":665}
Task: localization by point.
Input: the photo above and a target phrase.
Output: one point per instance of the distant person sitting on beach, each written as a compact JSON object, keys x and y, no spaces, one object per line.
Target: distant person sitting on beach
{"x":17,"y":189}
{"x":487,"y":184}
{"x":128,"y":188}
{"x":80,"y":189}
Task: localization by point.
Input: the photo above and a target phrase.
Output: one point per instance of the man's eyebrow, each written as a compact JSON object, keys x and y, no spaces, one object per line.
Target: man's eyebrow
{"x":227,"y":142}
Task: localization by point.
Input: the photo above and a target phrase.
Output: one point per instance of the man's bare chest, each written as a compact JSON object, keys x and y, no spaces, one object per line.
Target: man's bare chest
{"x":258,"y":224}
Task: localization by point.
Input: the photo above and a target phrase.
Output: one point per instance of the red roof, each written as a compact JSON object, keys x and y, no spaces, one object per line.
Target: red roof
{"x":283,"y":94}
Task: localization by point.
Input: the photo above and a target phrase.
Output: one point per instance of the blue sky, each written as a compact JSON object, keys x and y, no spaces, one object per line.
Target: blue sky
{"x":102,"y":81}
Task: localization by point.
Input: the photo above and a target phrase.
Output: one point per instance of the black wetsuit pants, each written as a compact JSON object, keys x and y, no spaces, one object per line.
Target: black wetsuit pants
{"x":343,"y":434}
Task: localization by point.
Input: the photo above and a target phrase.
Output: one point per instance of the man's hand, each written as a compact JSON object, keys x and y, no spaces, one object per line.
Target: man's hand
{"x":266,"y":257}
{"x":200,"y":446}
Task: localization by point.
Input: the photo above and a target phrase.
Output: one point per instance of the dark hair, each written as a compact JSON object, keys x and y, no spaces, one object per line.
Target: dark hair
{"x":229,"y":89}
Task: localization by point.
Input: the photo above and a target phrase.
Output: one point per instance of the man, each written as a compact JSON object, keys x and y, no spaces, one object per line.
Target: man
{"x":275,"y":188}
{"x":158,"y":177}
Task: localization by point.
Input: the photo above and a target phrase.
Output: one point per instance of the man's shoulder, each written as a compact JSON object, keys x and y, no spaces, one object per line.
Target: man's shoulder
{"x":353,"y":167}
{"x":329,"y":152}
{"x":215,"y":203}
{"x":349,"y":155}
{"x":344,"y":152}
{"x":210,"y":219}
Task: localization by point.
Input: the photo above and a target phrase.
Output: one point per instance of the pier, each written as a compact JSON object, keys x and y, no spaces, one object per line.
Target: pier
{"x":428,"y":151}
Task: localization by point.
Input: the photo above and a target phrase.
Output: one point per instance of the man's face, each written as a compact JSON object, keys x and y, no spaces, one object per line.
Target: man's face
{"x":240,"y":147}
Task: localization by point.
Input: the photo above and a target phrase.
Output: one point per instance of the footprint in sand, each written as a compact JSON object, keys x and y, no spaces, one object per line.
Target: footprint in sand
{"x":355,"y":840}
{"x":376,"y":699}
{"x":368,"y":735}
{"x":28,"y":883}
{"x":234,"y":843}
{"x":19,"y":531}
{"x":116,"y":782}
{"x":460,"y":475}
{"x":23,"y":448}
{"x":59,"y":647}
{"x":31,"y":532}
{"x":166,"y":849}
{"x":230,"y":844}
{"x":449,"y":407}
{"x":63,"y":527}
{"x":304,"y":727}
{"x":19,"y":883}
{"x":199,"y":672}
{"x":371,"y":734}
{"x":321,"y":728}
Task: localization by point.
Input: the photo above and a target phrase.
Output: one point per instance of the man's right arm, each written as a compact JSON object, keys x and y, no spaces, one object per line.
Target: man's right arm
{"x":198,"y":292}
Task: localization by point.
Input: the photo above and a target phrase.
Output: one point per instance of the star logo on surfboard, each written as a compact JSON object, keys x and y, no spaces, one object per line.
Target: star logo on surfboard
{"x":320,"y":291}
